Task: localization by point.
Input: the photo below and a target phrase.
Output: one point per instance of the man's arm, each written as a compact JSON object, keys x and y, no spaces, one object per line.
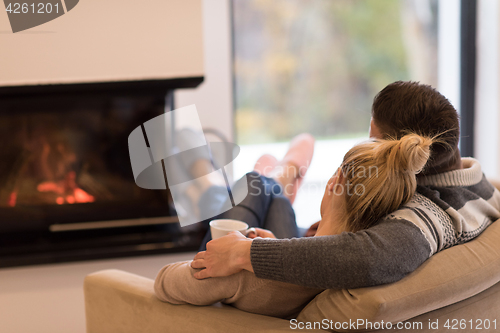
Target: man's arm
{"x":382,"y":254}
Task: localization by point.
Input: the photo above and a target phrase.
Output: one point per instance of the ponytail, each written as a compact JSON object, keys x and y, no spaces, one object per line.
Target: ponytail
{"x":382,"y":176}
{"x":408,"y":154}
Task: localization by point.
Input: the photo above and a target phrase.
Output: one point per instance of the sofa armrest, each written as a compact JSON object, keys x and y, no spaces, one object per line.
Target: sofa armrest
{"x":117,"y":301}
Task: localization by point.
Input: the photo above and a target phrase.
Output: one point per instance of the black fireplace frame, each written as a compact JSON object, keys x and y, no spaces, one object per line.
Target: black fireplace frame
{"x":97,"y":239}
{"x":123,"y":87}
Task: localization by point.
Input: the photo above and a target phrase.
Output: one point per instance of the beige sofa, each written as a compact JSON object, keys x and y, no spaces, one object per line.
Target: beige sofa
{"x":459,"y":286}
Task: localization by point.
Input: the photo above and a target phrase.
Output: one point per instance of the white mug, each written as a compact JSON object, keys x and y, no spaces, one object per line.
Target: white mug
{"x":220,"y":228}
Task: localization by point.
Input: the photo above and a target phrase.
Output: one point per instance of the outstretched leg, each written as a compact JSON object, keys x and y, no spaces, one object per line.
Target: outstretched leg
{"x":264,"y":195}
{"x":268,"y":204}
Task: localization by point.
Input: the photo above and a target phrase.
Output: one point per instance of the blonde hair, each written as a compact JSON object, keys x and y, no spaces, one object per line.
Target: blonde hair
{"x":380,"y":176}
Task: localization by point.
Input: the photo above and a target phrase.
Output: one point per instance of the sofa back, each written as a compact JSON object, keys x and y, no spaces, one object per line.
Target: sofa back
{"x":448,"y":277}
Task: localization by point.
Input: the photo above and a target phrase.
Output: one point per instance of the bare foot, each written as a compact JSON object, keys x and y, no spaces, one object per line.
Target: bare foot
{"x":291,"y":170}
{"x":288,"y":176}
{"x":265,"y":164}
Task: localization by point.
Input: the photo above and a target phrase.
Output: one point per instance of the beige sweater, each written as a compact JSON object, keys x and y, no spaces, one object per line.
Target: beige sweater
{"x":176,"y":284}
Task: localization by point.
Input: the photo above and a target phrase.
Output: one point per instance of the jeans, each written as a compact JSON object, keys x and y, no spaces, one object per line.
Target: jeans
{"x":265,"y":207}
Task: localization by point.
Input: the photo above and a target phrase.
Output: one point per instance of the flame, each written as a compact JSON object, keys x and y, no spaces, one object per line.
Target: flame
{"x":68,"y":191}
{"x":12,"y":199}
{"x":82,"y":196}
{"x":55,"y":166}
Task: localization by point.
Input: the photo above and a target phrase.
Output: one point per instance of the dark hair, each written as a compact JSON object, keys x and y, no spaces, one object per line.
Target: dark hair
{"x":404,"y":107}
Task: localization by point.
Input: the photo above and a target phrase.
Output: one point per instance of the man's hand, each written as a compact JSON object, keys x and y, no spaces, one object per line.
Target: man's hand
{"x":224,"y":256}
{"x":263,"y":233}
{"x":312,"y":230}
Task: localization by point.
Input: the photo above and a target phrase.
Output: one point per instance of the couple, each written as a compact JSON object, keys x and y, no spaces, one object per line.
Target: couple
{"x":422,"y":198}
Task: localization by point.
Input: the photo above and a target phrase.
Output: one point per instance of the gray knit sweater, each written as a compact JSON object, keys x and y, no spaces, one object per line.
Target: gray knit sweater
{"x":447,"y":209}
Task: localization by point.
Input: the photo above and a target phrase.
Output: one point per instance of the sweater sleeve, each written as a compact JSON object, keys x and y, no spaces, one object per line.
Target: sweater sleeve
{"x":176,"y":284}
{"x":382,"y":254}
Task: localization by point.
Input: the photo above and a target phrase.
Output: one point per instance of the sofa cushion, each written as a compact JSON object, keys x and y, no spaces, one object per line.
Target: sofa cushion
{"x":447,"y":277}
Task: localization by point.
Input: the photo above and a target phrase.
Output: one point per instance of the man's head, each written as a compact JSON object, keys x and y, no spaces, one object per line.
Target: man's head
{"x":404,"y":107}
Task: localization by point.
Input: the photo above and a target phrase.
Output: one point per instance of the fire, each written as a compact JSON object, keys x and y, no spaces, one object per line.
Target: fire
{"x":68,"y":190}
{"x":50,"y":163}
{"x":12,"y":199}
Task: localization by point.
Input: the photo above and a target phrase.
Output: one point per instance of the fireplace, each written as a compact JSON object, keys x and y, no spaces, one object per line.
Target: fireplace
{"x":71,"y":91}
{"x":67,"y":190}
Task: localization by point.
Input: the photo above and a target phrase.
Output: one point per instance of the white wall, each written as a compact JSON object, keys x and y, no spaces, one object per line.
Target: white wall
{"x":487,"y":122}
{"x":111,"y":40}
{"x":449,"y":51}
{"x":213,"y":98}
{"x":50,"y":298}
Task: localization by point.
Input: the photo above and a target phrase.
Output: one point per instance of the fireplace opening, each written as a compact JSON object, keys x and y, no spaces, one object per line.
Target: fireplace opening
{"x":67,"y":190}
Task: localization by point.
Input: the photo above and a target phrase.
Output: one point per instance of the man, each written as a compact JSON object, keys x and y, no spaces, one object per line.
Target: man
{"x":453,"y":204}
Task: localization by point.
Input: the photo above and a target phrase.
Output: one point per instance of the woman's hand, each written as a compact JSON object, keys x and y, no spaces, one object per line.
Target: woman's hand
{"x":224,"y":256}
{"x":263,"y":233}
{"x":312,"y":230}
{"x":333,"y":208}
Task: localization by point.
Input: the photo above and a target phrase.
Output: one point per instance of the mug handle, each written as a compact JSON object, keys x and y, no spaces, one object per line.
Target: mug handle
{"x":249,"y":230}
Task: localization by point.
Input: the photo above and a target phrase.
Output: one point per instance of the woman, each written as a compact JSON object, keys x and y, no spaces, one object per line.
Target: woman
{"x":375,"y":178}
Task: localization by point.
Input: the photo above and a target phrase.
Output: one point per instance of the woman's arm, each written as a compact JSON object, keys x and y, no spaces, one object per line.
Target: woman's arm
{"x":175,"y":284}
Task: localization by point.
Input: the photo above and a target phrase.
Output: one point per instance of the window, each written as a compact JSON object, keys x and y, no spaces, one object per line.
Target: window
{"x":314,"y":66}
